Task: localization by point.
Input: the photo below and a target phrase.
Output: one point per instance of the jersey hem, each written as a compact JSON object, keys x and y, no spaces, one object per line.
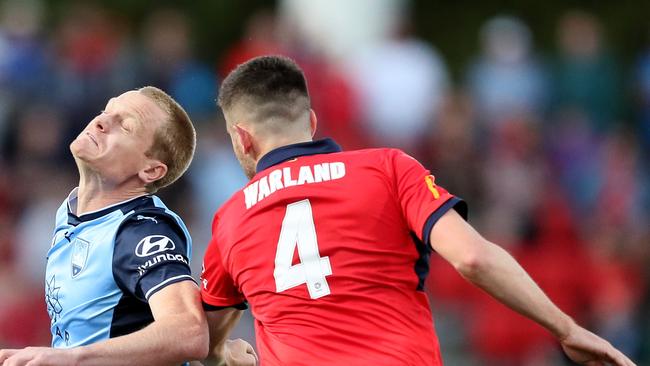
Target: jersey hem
{"x":453,"y":202}
{"x":220,"y":302}
{"x":208,"y":307}
{"x":166,"y":283}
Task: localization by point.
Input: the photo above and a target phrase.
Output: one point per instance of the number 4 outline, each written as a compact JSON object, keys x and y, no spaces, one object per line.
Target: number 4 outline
{"x":298,"y":229}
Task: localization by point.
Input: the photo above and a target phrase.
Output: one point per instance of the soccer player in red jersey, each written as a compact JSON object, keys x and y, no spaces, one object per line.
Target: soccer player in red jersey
{"x":330,"y":248}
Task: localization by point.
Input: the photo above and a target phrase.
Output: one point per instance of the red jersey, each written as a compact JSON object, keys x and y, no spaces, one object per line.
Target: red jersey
{"x":330,"y":250}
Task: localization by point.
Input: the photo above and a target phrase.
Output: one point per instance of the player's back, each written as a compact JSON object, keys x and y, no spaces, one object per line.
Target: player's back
{"x":322,"y":249}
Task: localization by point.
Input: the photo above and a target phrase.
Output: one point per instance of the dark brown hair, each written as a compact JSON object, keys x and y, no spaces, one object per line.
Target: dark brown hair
{"x":273,"y":87}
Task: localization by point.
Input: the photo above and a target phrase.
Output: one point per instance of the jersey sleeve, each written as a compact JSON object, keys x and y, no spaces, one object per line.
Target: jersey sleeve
{"x":423,"y":202}
{"x":151,"y":252}
{"x":218,"y":289}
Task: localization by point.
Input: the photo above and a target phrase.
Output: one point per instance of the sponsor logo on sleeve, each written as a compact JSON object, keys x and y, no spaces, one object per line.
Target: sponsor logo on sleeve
{"x":154,"y":244}
{"x":153,"y":247}
{"x":142,"y":217}
{"x":160,"y":258}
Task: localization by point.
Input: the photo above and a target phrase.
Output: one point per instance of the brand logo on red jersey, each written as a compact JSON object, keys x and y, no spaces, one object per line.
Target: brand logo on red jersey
{"x":431,"y":184}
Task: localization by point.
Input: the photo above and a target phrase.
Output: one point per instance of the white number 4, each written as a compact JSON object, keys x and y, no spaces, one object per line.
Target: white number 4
{"x":298,"y":229}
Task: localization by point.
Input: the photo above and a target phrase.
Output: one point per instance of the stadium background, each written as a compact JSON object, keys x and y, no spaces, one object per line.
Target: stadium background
{"x":537,"y":113}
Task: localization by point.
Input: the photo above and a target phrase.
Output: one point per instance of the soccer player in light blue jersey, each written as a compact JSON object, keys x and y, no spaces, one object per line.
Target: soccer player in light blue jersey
{"x":118,"y":285}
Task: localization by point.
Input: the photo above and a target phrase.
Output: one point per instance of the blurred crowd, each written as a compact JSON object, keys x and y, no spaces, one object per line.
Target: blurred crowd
{"x":550,"y":149}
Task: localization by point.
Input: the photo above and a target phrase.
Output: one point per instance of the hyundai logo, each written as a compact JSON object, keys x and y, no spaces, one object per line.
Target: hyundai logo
{"x":153,"y":244}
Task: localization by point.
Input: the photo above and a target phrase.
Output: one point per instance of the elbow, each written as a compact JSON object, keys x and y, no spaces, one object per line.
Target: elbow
{"x":474,"y":261}
{"x":469,"y":268}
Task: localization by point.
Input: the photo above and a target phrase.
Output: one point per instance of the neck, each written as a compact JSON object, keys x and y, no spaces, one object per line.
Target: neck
{"x":272,"y":144}
{"x":96,"y":193}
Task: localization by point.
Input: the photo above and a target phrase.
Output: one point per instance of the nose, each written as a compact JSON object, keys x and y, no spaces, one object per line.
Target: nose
{"x":101,"y":125}
{"x":103,"y":122}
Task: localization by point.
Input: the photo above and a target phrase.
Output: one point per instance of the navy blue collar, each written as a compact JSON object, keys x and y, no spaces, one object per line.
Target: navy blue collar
{"x":124,"y":206}
{"x":284,"y":153}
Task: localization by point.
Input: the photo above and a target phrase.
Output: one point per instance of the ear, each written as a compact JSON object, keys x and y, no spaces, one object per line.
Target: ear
{"x":154,"y":171}
{"x":313,"y":122}
{"x":245,"y":139}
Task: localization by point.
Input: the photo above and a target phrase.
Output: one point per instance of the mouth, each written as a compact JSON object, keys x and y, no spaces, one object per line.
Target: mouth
{"x":92,"y":138}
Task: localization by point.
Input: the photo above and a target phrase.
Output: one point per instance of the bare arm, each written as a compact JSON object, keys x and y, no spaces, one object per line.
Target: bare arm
{"x":491,"y":268}
{"x":178,"y":334}
{"x":222,"y":350}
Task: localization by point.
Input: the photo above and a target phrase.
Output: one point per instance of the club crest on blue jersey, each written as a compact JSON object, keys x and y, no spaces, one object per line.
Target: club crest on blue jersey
{"x":80,"y":249}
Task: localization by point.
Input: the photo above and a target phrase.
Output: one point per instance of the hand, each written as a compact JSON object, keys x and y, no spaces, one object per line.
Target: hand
{"x":37,"y":356}
{"x":6,"y":353}
{"x":239,"y":353}
{"x":586,"y":348}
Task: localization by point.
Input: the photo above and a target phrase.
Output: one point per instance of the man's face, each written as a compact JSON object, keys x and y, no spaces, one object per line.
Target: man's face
{"x":115,"y":142}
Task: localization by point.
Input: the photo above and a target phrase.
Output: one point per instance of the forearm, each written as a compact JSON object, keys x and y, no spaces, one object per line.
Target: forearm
{"x":220,"y":323}
{"x":215,"y":358}
{"x":171,"y":341}
{"x":491,"y":268}
{"x":216,"y":355}
{"x":499,"y":274}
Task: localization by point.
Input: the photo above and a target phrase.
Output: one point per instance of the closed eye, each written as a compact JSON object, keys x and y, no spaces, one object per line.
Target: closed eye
{"x":124,"y":125}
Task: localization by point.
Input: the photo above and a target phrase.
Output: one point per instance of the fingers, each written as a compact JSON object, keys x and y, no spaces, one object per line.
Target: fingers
{"x":251,"y":360}
{"x":240,"y":353}
{"x":587,"y":348}
{"x":29,"y":356}
{"x":627,"y":361}
{"x":249,"y":357}
{"x":16,"y":360}
{"x":5,"y":356}
{"x":623,"y":360}
{"x":6,"y":353}
{"x":254,"y":359}
{"x":617,"y":357}
{"x":250,"y":350}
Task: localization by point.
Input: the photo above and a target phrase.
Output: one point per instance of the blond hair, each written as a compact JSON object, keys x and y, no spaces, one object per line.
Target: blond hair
{"x":174,"y":142}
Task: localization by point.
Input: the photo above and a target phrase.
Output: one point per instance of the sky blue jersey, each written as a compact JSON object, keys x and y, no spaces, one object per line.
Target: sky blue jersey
{"x":103,"y":267}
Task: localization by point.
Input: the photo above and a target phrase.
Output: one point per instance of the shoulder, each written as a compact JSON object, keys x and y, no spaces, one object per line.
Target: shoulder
{"x":151,"y":213}
{"x":230,"y":204}
{"x":234,"y":206}
{"x":155,"y":218}
{"x":374,"y":153}
{"x":150,"y":230}
{"x":146,"y":241}
{"x":397,"y":157}
{"x":385,"y":159}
